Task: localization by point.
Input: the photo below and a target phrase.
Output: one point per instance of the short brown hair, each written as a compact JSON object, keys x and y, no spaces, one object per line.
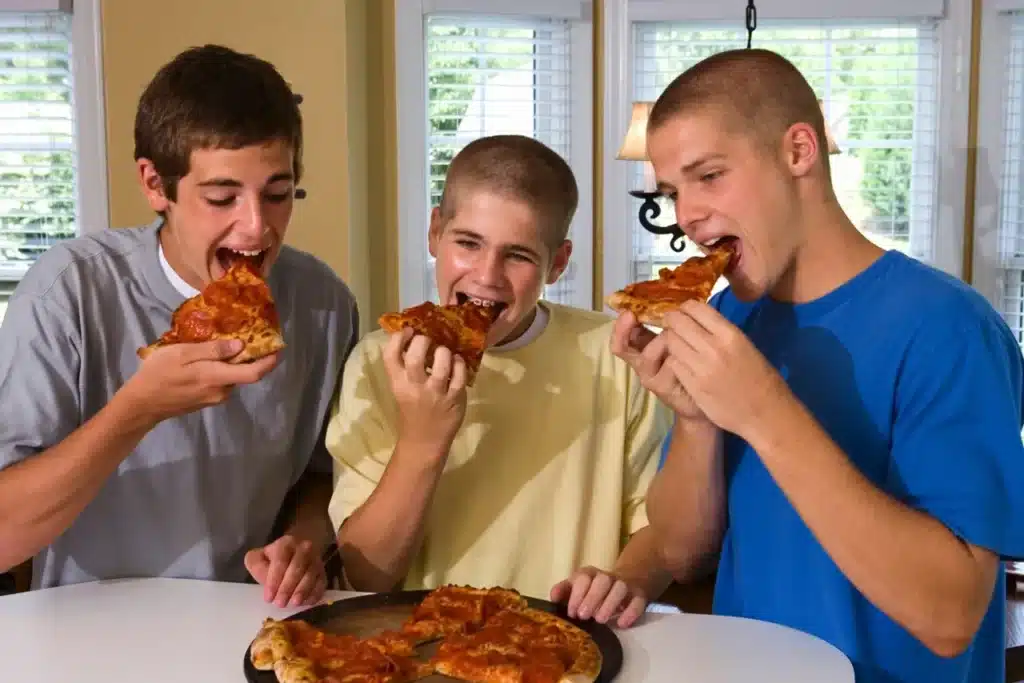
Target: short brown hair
{"x":213,"y":97}
{"x":520,"y":168}
{"x":759,"y":92}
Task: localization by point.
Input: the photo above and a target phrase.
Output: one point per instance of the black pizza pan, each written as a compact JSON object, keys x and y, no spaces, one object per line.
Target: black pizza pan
{"x":365,"y":615}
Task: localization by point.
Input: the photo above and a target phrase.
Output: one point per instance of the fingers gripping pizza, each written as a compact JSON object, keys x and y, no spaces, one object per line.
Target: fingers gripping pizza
{"x":486,"y":636}
{"x":462,"y":327}
{"x":238,"y":305}
{"x":694,"y":278}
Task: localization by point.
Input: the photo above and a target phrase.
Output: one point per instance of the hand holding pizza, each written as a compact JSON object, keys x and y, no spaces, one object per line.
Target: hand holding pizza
{"x":431,"y":402}
{"x":728,"y":378}
{"x":648,"y":355}
{"x":182,"y":378}
{"x":594,"y":594}
{"x":290,"y":571}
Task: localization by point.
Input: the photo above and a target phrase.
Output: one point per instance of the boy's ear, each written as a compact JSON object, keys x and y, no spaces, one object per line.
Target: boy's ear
{"x":435,"y":230}
{"x":559,"y":261}
{"x":152,"y":186}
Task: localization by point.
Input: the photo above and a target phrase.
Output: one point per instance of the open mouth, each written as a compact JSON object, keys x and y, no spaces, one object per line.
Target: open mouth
{"x":729,"y":242}
{"x":463,"y":298}
{"x":227,"y":256}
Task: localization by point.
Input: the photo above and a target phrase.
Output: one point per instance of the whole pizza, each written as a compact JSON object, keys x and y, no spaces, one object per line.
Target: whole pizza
{"x":486,"y":635}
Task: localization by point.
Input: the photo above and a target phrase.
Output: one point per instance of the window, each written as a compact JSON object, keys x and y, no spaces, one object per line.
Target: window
{"x":999,"y":247}
{"x":879,"y":81}
{"x":487,"y":73}
{"x":40,"y":160}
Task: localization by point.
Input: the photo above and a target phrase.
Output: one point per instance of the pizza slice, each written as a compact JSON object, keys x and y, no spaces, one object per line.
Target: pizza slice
{"x":298,"y":652}
{"x":694,"y":278}
{"x":238,"y":305}
{"x":458,"y":609}
{"x":461,"y":327}
{"x":521,"y":645}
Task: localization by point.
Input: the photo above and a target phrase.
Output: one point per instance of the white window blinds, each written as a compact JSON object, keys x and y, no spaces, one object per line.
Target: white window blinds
{"x":489,"y":75}
{"x":1010,"y":298}
{"x":879,"y":83}
{"x":37,"y":144}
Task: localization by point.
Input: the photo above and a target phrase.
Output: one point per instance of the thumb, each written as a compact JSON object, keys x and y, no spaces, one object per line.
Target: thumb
{"x":217,"y":349}
{"x":257,"y":564}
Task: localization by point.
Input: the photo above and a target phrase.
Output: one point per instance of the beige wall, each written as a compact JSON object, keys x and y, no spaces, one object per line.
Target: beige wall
{"x":309,"y":48}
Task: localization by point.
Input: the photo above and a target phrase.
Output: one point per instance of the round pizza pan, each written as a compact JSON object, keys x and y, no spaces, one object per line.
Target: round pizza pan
{"x":365,"y":615}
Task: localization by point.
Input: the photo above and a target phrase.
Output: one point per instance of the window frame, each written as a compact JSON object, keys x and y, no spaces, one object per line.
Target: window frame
{"x":954,"y":33}
{"x":413,"y":133}
{"x":91,"y":182}
{"x":987,"y":267}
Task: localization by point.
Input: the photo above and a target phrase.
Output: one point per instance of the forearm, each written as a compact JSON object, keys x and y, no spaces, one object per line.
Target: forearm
{"x":309,"y":520}
{"x":641,"y":564}
{"x":42,"y":495}
{"x":380,"y":538}
{"x":686,"y":501}
{"x":905,"y":562}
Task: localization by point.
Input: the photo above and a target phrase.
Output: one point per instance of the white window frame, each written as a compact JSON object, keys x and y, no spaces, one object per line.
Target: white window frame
{"x":411,"y":104}
{"x":954,"y":71}
{"x":90,"y":116}
{"x":987,"y":262}
{"x":92,"y":201}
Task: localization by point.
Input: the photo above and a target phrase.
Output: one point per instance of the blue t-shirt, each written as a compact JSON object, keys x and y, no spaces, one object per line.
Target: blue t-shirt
{"x":919,"y":381}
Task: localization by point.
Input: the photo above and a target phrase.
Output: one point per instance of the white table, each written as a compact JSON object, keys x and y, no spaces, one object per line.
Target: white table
{"x":176,"y":631}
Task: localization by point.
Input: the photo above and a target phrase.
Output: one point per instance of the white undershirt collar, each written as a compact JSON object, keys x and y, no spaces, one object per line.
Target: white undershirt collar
{"x":540,"y":321}
{"x":184,"y":288}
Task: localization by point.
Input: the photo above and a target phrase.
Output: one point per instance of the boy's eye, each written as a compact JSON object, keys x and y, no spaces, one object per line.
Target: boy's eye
{"x":468,"y":244}
{"x":278,"y":198}
{"x":520,"y":257}
{"x":708,"y":177}
{"x":221,"y":201}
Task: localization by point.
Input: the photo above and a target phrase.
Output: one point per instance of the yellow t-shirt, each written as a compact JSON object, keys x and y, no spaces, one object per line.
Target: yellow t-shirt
{"x":548,"y":473}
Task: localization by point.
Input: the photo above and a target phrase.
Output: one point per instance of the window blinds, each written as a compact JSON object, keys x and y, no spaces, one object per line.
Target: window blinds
{"x":879,"y":82}
{"x":1011,"y":202}
{"x":490,"y":75}
{"x":37,"y":145}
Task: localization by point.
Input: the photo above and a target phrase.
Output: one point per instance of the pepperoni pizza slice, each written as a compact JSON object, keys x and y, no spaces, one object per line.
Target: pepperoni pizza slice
{"x":458,"y":609}
{"x":462,"y":327}
{"x":694,"y":278}
{"x":238,"y":305}
{"x":521,"y":645}
{"x":298,"y":652}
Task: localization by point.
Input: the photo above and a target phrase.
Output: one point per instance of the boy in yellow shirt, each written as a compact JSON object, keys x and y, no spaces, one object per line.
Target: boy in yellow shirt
{"x":535,"y":478}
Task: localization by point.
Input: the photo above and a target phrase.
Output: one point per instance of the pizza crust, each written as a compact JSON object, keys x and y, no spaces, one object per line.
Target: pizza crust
{"x":645,"y":312}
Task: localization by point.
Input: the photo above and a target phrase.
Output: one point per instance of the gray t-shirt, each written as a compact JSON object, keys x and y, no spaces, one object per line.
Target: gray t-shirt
{"x":199,"y":490}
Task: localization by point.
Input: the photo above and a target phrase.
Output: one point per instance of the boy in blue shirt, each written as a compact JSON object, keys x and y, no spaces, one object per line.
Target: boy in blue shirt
{"x":848,"y":420}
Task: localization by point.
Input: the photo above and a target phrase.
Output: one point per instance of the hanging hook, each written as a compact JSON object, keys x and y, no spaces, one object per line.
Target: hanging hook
{"x":751,"y":21}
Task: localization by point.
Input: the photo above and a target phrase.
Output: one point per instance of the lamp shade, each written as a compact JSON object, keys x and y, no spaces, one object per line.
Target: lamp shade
{"x":634,"y":146}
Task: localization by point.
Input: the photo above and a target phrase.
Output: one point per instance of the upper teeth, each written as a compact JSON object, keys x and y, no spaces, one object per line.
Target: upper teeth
{"x":712,"y":242}
{"x":482,"y":302}
{"x":248,"y":252}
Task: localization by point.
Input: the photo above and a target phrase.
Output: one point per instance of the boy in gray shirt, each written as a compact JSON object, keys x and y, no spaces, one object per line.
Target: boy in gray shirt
{"x":179,"y":465}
